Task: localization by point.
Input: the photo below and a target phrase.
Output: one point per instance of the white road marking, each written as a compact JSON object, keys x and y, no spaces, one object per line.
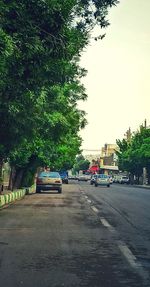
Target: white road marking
{"x":89,"y":201}
{"x":94,"y":209}
{"x":131,"y":258}
{"x":129,"y":255}
{"x":106,"y":224}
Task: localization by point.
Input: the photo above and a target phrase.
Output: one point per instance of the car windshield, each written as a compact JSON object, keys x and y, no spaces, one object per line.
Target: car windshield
{"x":49,"y":174}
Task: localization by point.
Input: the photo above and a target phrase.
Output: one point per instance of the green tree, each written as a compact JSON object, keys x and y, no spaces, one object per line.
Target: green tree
{"x":135,"y":155}
{"x":41,"y":45}
{"x":81,"y":164}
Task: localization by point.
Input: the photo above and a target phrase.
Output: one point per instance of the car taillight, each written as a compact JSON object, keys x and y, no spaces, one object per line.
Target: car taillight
{"x":57,"y":181}
{"x":39,"y":180}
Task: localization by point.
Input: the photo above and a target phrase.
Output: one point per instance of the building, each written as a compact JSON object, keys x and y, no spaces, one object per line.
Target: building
{"x":108,"y":150}
{"x":108,"y":154}
{"x":105,"y":161}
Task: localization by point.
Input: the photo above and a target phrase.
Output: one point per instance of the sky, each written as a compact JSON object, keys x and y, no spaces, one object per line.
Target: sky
{"x":118,"y":79}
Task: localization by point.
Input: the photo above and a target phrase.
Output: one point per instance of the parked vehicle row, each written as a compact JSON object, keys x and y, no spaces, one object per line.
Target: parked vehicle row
{"x":47,"y":180}
{"x":121,"y":179}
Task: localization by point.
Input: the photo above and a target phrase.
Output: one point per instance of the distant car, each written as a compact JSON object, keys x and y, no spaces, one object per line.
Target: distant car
{"x":48,"y":180}
{"x":64,"y":176}
{"x":73,"y":177}
{"x":92,"y":180}
{"x":83,"y":177}
{"x":102,"y":179}
{"x":124,"y":179}
{"x":111,"y":179}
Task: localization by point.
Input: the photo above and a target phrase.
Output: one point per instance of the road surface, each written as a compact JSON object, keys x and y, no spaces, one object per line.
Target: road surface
{"x":87,"y":236}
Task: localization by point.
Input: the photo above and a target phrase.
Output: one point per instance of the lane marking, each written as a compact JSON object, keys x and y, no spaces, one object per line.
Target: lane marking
{"x":89,"y":201}
{"x":106,"y":224}
{"x":128,"y":254}
{"x":94,"y":209}
{"x":131,"y":258}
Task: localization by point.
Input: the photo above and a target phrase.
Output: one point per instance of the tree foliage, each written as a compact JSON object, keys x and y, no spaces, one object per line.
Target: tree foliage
{"x":80,"y":164}
{"x":40,"y":47}
{"x":135,"y":155}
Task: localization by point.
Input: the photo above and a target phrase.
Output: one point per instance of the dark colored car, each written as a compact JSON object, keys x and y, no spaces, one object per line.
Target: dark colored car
{"x":64,"y":176}
{"x":48,"y":180}
{"x":92,"y":180}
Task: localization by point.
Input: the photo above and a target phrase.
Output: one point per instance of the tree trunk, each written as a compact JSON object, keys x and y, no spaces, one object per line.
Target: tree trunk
{"x":18,"y":178}
{"x":1,"y":176}
{"x":131,"y":177}
{"x":12,"y":178}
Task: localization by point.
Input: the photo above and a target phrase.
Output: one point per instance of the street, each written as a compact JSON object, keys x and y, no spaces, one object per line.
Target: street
{"x":87,"y":236}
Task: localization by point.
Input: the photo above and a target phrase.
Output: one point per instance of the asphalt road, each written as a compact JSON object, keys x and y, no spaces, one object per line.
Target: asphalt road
{"x":86,"y":236}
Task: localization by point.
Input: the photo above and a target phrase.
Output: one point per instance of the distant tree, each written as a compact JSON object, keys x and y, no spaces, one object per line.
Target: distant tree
{"x":135,"y":155}
{"x":81,"y":164}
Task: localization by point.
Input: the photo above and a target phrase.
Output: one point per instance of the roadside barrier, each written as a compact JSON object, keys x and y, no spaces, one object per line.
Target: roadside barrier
{"x":31,"y":189}
{"x":10,"y":197}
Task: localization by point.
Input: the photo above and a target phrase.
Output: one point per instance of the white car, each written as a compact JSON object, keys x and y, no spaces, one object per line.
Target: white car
{"x":124,"y":179}
{"x":83,"y":177}
{"x":102,"y":179}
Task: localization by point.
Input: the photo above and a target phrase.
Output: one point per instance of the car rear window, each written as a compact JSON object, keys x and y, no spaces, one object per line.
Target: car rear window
{"x":49,"y":174}
{"x":103,"y":176}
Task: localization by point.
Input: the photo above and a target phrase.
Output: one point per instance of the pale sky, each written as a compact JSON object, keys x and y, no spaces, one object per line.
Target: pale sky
{"x":118,"y":79}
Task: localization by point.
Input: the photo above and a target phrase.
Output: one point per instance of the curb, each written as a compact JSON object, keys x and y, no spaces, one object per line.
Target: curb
{"x":31,"y":189}
{"x":141,"y":186}
{"x":10,"y":197}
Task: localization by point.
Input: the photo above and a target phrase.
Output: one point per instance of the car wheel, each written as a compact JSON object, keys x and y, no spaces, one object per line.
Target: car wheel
{"x":96,"y":184}
{"x":60,"y":190}
{"x":108,"y":185}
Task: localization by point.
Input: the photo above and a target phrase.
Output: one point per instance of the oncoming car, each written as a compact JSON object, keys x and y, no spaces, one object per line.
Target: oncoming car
{"x":48,"y":180}
{"x":92,"y":180}
{"x":102,"y":179}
